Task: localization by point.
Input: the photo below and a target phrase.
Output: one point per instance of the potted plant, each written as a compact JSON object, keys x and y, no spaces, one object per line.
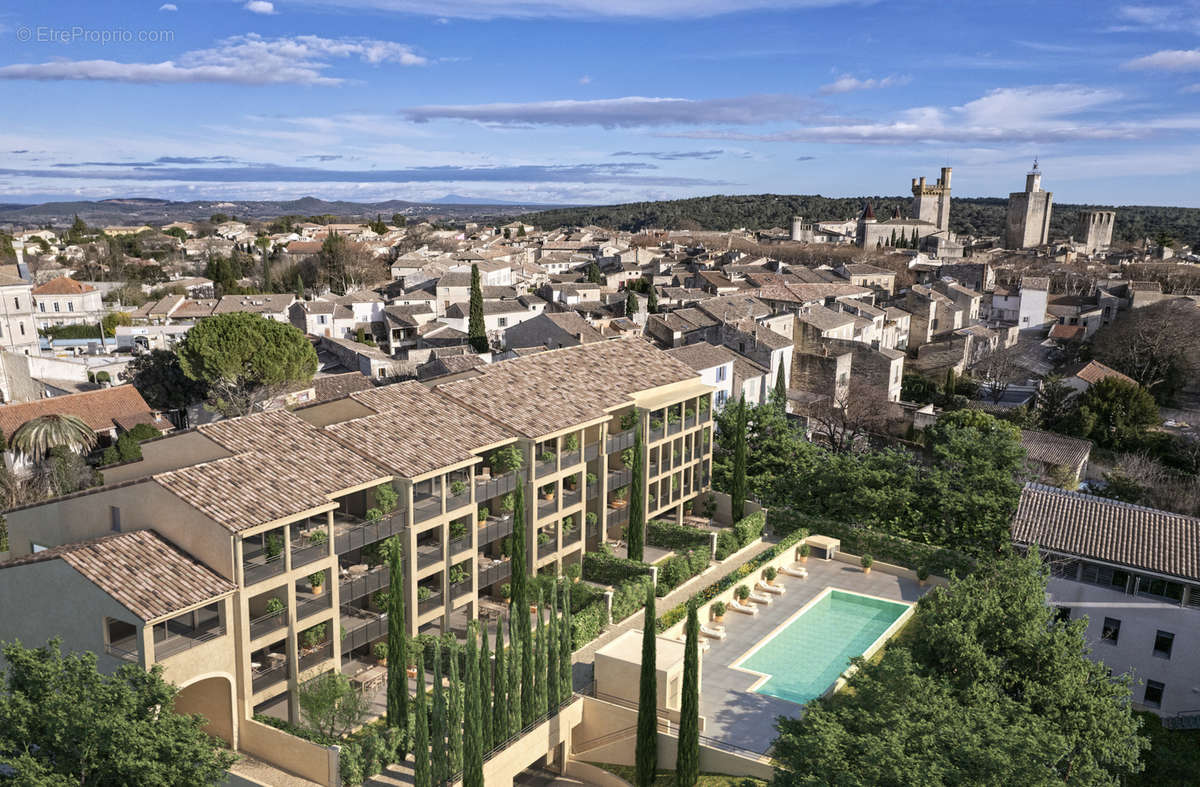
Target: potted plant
{"x":317,"y":581}
{"x":317,"y":537}
{"x":922,"y":575}
{"x":629,"y":420}
{"x":273,"y":546}
{"x":548,"y":492}
{"x":507,"y":459}
{"x":591,"y":518}
{"x":424,"y":593}
{"x":275,"y":606}
{"x":769,"y":574}
{"x":506,"y":593}
{"x":574,"y":571}
{"x":374,"y":514}
{"x":866,"y":561}
{"x":457,"y":574}
{"x":718,"y":611}
{"x":543,"y":537}
{"x":482,"y":516}
{"x":571,"y":443}
{"x":591,"y":479}
{"x":656,"y":425}
{"x":687,"y":508}
{"x":619,"y":498}
{"x":458,"y":529}
{"x":571,"y":482}
{"x":379,"y":650}
{"x":802,"y":552}
{"x":742,"y":593}
{"x":547,"y":457}
{"x":568,"y":525}
{"x":508,"y":503}
{"x":457,"y":487}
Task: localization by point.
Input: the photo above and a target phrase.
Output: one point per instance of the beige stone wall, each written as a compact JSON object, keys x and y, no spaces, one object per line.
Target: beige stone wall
{"x":537,"y":743}
{"x":303,"y":758}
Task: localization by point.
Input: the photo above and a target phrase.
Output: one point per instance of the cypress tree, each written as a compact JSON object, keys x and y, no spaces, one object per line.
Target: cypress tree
{"x":781,"y":390}
{"x":422,"y":777}
{"x":593,"y":273}
{"x":299,"y":288}
{"x":514,"y":712}
{"x":438,"y":759}
{"x":637,"y":502}
{"x":539,"y":667}
{"x":893,"y":242}
{"x":631,"y":304}
{"x":553,"y":662}
{"x":916,"y":241}
{"x":397,"y":642}
{"x":687,"y":761}
{"x":476,"y":331}
{"x":737,"y":491}
{"x":520,"y":602}
{"x":647,"y":720}
{"x":472,"y":735}
{"x":652,"y":301}
{"x":454,"y":717}
{"x":564,"y":652}
{"x":499,"y":692}
{"x":950,"y":383}
{"x":485,"y":690}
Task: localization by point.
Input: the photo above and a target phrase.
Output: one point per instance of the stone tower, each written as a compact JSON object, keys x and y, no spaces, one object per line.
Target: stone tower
{"x":1028,"y":222}
{"x":932,"y":203}
{"x":1094,"y":230}
{"x":798,"y":228}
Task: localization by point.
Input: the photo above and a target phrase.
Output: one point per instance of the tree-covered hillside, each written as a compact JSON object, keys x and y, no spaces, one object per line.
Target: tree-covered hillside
{"x":974,"y":216}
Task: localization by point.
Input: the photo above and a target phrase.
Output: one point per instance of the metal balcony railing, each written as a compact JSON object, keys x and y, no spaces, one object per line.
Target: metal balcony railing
{"x":314,"y":605}
{"x":428,"y":555}
{"x":547,"y":508}
{"x":361,"y":585}
{"x":620,"y":441}
{"x":426,"y":508}
{"x":675,"y":427}
{"x":264,"y":677}
{"x":689,"y":421}
{"x":261,"y":626}
{"x":455,"y":502}
{"x":548,"y":548}
{"x":497,"y":528}
{"x":657,"y":434}
{"x":460,"y":589}
{"x":256,"y":570}
{"x":126,"y":653}
{"x":361,"y":627}
{"x":179,"y":643}
{"x":572,"y":498}
{"x":492,"y":574}
{"x":541,"y":468}
{"x":319,"y":654}
{"x":461,"y":544}
{"x":620,"y":478}
{"x":618,"y":516}
{"x":305,"y":551}
{"x":356,"y":536}
{"x":495,"y":487}
{"x":591,"y":451}
{"x":569,"y":459}
{"x":572,"y":537}
{"x":431,"y":603}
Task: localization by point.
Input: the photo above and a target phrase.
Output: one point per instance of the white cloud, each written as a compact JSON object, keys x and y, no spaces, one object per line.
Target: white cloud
{"x":585,"y":80}
{"x":1167,"y":60}
{"x":259,"y":7}
{"x":1181,"y":16}
{"x":243,"y":60}
{"x":168,"y":7}
{"x":623,"y":112}
{"x":536,"y":9}
{"x":848,"y":84}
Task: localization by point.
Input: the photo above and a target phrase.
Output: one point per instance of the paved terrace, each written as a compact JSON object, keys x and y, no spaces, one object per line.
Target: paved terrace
{"x":744,"y":718}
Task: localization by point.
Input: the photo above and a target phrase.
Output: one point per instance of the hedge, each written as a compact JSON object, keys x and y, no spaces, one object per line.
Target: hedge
{"x":587,"y":623}
{"x":629,"y":597}
{"x":881,"y":546}
{"x":680,"y":568}
{"x":669,"y":535}
{"x":735,"y":577}
{"x":608,"y":569}
{"x":745,"y":531}
{"x":365,"y":752}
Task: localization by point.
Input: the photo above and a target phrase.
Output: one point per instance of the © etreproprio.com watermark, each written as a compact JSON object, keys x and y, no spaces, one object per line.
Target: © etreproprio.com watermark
{"x":77,"y":34}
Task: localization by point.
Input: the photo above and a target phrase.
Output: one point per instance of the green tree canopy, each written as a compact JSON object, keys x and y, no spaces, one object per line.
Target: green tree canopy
{"x":987,"y":687}
{"x":245,"y":359}
{"x":1114,"y":413}
{"x":160,"y":380}
{"x":62,"y":722}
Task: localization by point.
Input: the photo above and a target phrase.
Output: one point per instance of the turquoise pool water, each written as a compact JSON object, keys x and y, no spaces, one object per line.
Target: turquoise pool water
{"x":807,"y":656}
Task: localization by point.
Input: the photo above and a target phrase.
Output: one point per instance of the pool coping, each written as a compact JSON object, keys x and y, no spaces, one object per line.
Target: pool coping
{"x":870,"y":651}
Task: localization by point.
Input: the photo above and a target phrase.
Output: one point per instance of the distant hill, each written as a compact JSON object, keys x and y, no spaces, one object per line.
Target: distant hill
{"x":974,"y":216}
{"x":138,"y":210}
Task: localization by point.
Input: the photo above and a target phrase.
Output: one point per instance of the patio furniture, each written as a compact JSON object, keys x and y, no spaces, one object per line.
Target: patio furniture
{"x":713,"y":632}
{"x":760,"y":598}
{"x":795,"y":571}
{"x":745,"y":609}
{"x":765,"y":588}
{"x":369,"y":679}
{"x":359,"y":568}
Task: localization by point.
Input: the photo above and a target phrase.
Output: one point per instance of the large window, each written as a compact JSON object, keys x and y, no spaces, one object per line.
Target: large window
{"x":1111,"y":631}
{"x":1158,"y":588}
{"x":1104,"y":576}
{"x":1154,"y":694}
{"x":1163,"y":642}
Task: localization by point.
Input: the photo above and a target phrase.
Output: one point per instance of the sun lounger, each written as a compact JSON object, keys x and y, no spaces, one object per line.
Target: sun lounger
{"x":745,"y":609}
{"x":774,"y":589}
{"x":713,"y":632}
{"x":760,"y":598}
{"x":795,"y":571}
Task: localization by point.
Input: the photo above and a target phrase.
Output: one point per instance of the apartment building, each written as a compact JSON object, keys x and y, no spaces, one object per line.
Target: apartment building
{"x":244,"y":555}
{"x":18,"y":333}
{"x":1132,"y":573}
{"x":64,"y":301}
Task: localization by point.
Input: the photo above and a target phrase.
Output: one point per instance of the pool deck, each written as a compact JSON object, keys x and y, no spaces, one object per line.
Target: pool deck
{"x":745,"y":719}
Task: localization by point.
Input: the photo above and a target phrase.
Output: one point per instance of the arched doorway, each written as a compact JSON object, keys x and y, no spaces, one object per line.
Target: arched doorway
{"x":212,"y":698}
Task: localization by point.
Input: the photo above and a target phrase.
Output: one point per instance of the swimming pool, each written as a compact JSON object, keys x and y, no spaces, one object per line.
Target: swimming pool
{"x":806,"y":655}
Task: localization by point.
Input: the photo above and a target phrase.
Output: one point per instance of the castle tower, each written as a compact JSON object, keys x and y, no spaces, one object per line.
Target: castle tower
{"x":798,"y":228}
{"x":932,"y":203}
{"x":1028,"y":222}
{"x":1095,"y":229}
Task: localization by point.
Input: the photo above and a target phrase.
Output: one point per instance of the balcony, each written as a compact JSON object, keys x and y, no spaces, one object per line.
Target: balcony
{"x":125,"y":649}
{"x":261,"y":626}
{"x":547,"y":508}
{"x":426,"y":508}
{"x":494,"y":487}
{"x":429,"y":604}
{"x":351,"y":533}
{"x":689,"y":421}
{"x":497,"y":571}
{"x":657,"y":434}
{"x":620,"y":478}
{"x":429,"y":555}
{"x":181,"y":642}
{"x":357,"y":586}
{"x":705,"y":415}
{"x":570,"y":459}
{"x":265,"y":676}
{"x":572,"y":498}
{"x":318,"y":655}
{"x":675,"y":427}
{"x":259,"y":567}
{"x":620,"y":441}
{"x":461,"y":544}
{"x":573,"y":537}
{"x":541,"y":468}
{"x":460,"y":589}
{"x":548,"y":548}
{"x":313,"y":605}
{"x":455,"y":502}
{"x":591,"y":451}
{"x":618,"y":516}
{"x":497,"y":528}
{"x":361,"y":627}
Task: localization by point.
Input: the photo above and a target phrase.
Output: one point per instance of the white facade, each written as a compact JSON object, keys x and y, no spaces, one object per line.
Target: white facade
{"x":18,"y":332}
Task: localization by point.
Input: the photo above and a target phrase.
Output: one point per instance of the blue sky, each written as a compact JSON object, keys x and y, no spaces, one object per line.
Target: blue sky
{"x":588,"y":101}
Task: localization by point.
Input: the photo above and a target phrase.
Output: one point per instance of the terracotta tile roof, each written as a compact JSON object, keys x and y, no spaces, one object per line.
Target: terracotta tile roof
{"x":99,"y":409}
{"x":335,"y":386}
{"x":538,"y":394}
{"x":702,"y":355}
{"x":63,"y":285}
{"x":418,"y":430}
{"x":255,"y":304}
{"x":142,"y":572}
{"x":1070,"y":333}
{"x":824,"y":319}
{"x":1054,"y":449}
{"x":808,"y":293}
{"x":1035,"y":283}
{"x":1096,"y":527}
{"x":1093,"y":372}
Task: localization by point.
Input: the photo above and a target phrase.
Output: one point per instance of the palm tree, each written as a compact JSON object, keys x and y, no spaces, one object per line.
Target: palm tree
{"x":36,"y":437}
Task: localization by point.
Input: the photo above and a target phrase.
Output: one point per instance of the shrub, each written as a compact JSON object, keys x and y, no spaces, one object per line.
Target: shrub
{"x":608,"y":569}
{"x":866,"y":560}
{"x":669,"y":535}
{"x":750,"y":527}
{"x":727,"y":544}
{"x":769,"y":573}
{"x":574,"y":571}
{"x":128,"y":448}
{"x":506,"y":459}
{"x":629,"y":597}
{"x":922,"y":573}
{"x":386,"y":498}
{"x":103,"y":377}
{"x":718,"y":609}
{"x":143,"y":432}
{"x":587,"y":623}
{"x":374,"y":514}
{"x":679,"y":569}
{"x":742,"y":592}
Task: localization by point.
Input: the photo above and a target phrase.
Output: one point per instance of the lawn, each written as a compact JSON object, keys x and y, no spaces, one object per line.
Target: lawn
{"x":667,"y":778}
{"x":1173,"y":759}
